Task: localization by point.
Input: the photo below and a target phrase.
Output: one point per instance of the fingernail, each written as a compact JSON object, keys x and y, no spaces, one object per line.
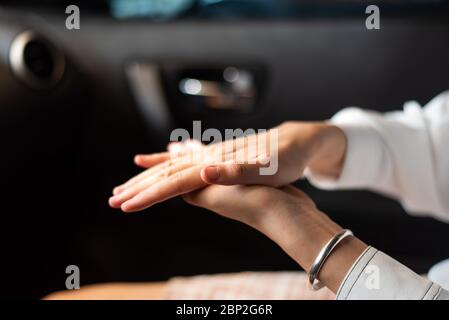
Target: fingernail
{"x":116,"y":190}
{"x":112,"y":202}
{"x":126,"y":207}
{"x":212,"y":173}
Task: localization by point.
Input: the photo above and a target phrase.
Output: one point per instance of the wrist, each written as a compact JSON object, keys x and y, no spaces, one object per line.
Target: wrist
{"x":340,"y":261}
{"x":300,"y":229}
{"x":313,"y":231}
{"x":303,"y":233}
{"x":329,"y":150}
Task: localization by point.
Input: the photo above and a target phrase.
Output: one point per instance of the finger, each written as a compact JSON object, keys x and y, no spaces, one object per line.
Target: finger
{"x":193,"y":144}
{"x":179,"y":183}
{"x":189,"y":151}
{"x":233,"y":174}
{"x":177,"y":153}
{"x":149,"y":160}
{"x":176,"y":150}
{"x":117,"y":200}
{"x":246,"y":147}
{"x":172,"y":145}
{"x":144,"y":174}
{"x":181,"y":148}
{"x":182,"y":157}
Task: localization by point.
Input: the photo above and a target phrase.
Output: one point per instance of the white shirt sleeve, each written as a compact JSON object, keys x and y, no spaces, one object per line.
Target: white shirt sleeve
{"x":404,"y":155}
{"x":376,"y":276}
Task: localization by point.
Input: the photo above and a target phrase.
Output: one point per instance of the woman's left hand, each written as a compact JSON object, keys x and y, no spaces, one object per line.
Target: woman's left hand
{"x":288,"y":217}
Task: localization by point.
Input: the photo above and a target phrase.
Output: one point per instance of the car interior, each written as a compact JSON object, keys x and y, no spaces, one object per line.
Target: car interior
{"x":77,"y":104}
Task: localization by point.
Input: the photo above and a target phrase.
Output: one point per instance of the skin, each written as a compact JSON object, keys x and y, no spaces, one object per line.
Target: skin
{"x":161,"y":290}
{"x":288,"y":217}
{"x":267,"y":203}
{"x":113,"y":291}
{"x":319,"y":146}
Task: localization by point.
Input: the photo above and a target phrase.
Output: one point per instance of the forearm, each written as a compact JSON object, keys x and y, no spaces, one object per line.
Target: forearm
{"x":303,"y":235}
{"x":353,"y":270}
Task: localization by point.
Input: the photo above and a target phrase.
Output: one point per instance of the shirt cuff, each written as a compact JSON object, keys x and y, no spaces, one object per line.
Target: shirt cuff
{"x":376,"y":276}
{"x":364,"y":157}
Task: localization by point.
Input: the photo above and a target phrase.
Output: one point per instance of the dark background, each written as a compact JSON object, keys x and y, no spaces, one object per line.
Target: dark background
{"x":65,"y":148}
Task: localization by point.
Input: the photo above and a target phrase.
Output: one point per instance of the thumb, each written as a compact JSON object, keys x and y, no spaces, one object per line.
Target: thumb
{"x":233,"y":174}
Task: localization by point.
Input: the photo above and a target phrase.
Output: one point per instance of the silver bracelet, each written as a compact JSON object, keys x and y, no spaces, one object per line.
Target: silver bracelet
{"x":323,"y":255}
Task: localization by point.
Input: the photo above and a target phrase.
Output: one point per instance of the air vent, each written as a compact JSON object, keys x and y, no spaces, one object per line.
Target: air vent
{"x":36,"y":61}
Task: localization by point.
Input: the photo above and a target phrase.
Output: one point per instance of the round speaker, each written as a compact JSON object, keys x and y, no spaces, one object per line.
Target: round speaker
{"x":36,"y":61}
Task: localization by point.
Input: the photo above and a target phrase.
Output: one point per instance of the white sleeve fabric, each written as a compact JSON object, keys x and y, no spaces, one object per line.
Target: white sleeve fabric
{"x":376,"y":276}
{"x":404,"y":155}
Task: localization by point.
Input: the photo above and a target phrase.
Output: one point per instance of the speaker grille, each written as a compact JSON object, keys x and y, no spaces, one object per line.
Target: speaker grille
{"x":36,"y":61}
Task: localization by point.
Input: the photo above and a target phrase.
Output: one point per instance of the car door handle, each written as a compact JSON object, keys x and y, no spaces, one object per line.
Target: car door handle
{"x":236,"y":91}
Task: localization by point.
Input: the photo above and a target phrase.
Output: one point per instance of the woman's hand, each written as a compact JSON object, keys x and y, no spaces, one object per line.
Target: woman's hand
{"x":319,"y":146}
{"x":288,"y":217}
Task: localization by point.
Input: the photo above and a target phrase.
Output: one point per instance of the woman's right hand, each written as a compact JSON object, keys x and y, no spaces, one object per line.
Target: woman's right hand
{"x":316,"y":145}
